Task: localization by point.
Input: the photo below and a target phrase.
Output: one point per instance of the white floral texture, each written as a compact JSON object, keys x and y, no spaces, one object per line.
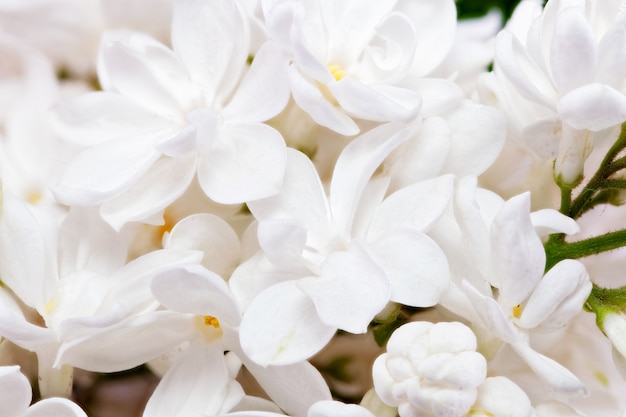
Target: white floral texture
{"x":561,"y":73}
{"x":165,"y":115}
{"x":430,"y":370}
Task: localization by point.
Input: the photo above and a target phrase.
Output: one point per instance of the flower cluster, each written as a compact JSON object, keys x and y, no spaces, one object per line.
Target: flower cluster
{"x":223,"y":190}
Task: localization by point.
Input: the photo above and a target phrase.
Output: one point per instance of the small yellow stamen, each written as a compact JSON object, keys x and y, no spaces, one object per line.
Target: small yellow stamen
{"x":336,"y":71}
{"x":517,"y":311}
{"x":34,"y":197}
{"x":604,"y":380}
{"x":211,"y":321}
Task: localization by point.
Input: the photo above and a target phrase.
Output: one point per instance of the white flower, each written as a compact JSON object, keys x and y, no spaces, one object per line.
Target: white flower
{"x":16,"y":395}
{"x":501,"y":397}
{"x":430,"y":370}
{"x":166,"y":115}
{"x":329,"y":263}
{"x":562,"y":77}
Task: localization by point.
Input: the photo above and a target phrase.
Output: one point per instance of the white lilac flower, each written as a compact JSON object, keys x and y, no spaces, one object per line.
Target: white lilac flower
{"x":562,"y":77}
{"x":430,"y":370}
{"x":82,"y":278}
{"x":346,"y":57}
{"x":165,"y":115}
{"x":501,"y":397}
{"x":329,"y":263}
{"x":497,"y":263}
{"x":16,"y":395}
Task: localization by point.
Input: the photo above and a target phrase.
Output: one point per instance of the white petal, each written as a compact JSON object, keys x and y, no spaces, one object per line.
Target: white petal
{"x":478,"y":134}
{"x":264,"y":91}
{"x":351,"y":289}
{"x":567,"y":281}
{"x":517,"y":253}
{"x":96,"y":117}
{"x":246,"y":162}
{"x":338,"y":409}
{"x":211,"y":235}
{"x":416,"y":207}
{"x":543,"y":137}
{"x":355,"y":166}
{"x":499,"y":396}
{"x":612,"y":54}
{"x":302,"y":200}
{"x":593,"y":106}
{"x":108,"y":350}
{"x":196,"y":290}
{"x":88,"y":243}
{"x":165,"y":181}
{"x":104,"y":171}
{"x":417,"y":268}
{"x":15,"y":391}
{"x":573,"y":51}
{"x":211,"y":39}
{"x":548,"y":221}
{"x":549,"y":370}
{"x":14,"y":327}
{"x":292,"y":387}
{"x":57,"y":407}
{"x":311,"y":100}
{"x":281,"y":327}
{"x":283,"y":242}
{"x":22,"y":254}
{"x":382,"y":103}
{"x":491,"y":314}
{"x":195,"y":385}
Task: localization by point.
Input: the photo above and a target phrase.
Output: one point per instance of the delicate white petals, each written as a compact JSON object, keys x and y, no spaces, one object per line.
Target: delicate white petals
{"x":194,"y":289}
{"x":108,"y":350}
{"x":337,"y":409}
{"x":593,"y":106}
{"x":246,"y":162}
{"x":559,"y":296}
{"x":164,"y":182}
{"x":264,"y":91}
{"x":500,"y":397}
{"x":22,"y":253}
{"x":415,"y":265}
{"x":614,"y":326}
{"x":282,"y":241}
{"x":543,"y":137}
{"x":612,"y":54}
{"x":57,"y":407}
{"x":355,"y":166}
{"x":311,"y":100}
{"x":281,"y":326}
{"x":104,"y":171}
{"x":573,"y":51}
{"x":383,"y":103}
{"x":549,"y":370}
{"x":478,"y":134}
{"x":97,"y":117}
{"x":302,"y":200}
{"x":416,"y":206}
{"x":14,"y":327}
{"x":518,"y":256}
{"x":200,"y":374}
{"x":292,"y":387}
{"x":213,"y":236}
{"x":352,"y":273}
{"x":491,"y":314}
{"x":549,"y":221}
{"x":15,"y":392}
{"x":211,"y":39}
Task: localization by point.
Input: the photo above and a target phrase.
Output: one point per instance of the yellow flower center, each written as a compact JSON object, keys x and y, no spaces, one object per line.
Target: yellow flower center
{"x":337,"y":71}
{"x":517,"y":311}
{"x":209,"y":327}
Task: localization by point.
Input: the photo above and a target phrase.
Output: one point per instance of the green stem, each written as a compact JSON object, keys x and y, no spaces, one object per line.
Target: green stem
{"x":557,"y":251}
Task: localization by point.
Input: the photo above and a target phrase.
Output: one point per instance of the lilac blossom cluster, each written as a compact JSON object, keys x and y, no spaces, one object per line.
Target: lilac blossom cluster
{"x":223,"y":184}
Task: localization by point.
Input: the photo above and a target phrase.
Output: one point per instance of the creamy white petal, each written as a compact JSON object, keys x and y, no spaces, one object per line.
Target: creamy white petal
{"x":416,"y":206}
{"x":104,"y":171}
{"x":593,"y":106}
{"x":211,"y":235}
{"x":282,"y":327}
{"x":350,"y":290}
{"x":15,"y":391}
{"x":517,"y":254}
{"x":355,"y":166}
{"x":211,"y":39}
{"x":264,"y":90}
{"x":165,"y":181}
{"x":246,"y":162}
{"x":57,"y":407}
{"x":194,"y":386}
{"x":194,"y":289}
{"x":338,"y":409}
{"x":415,"y":265}
{"x":548,"y":221}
